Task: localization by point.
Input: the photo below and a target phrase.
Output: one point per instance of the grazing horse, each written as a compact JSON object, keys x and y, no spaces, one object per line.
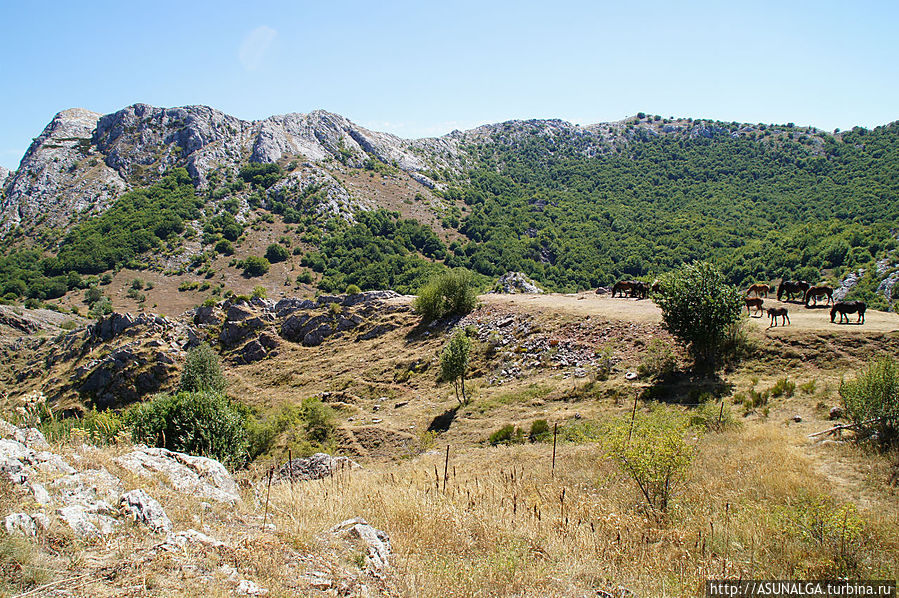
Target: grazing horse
{"x":815,"y":292}
{"x":848,"y":307}
{"x":656,"y":286}
{"x":760,"y":290}
{"x":635,"y":288}
{"x":755,"y":302}
{"x":792,"y":287}
{"x":775,"y":312}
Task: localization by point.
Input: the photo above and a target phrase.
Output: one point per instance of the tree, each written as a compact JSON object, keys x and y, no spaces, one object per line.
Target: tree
{"x":454,"y":362}
{"x":699,"y":308}
{"x":450,"y":293}
{"x":202,"y":371}
{"x":254,"y":266}
{"x":275,"y":253}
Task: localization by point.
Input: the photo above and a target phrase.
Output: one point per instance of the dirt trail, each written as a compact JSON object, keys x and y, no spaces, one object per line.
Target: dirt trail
{"x":590,"y":304}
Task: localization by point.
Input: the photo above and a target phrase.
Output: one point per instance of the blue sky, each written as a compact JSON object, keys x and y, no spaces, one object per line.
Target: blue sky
{"x":424,"y":68}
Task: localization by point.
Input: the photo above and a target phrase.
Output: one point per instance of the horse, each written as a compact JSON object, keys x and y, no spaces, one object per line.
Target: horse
{"x":755,"y":302}
{"x":656,"y":286}
{"x":848,"y":307}
{"x":635,"y":288}
{"x":775,"y":312}
{"x":759,"y":289}
{"x":821,"y":291}
{"x":792,"y":287}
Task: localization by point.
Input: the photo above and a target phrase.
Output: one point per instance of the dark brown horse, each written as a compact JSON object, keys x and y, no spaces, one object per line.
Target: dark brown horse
{"x":760,"y":290}
{"x":778,"y":312}
{"x":792,"y":287}
{"x":656,"y":286}
{"x":821,"y":291}
{"x":635,"y":288}
{"x":755,"y":302}
{"x":848,"y":307}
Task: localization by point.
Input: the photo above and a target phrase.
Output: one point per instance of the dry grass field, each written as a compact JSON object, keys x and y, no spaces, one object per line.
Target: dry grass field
{"x":760,"y":499}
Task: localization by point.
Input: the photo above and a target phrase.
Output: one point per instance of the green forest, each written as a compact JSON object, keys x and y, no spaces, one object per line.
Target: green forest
{"x":571,"y":209}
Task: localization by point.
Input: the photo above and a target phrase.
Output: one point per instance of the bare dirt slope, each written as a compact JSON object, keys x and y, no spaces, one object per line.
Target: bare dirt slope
{"x":591,"y":304}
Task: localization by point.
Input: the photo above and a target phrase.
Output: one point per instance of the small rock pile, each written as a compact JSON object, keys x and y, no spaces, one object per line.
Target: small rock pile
{"x":516,"y":282}
{"x":316,"y":467}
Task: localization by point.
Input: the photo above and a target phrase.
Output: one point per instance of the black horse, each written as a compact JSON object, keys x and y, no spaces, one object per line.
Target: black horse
{"x":792,"y":287}
{"x":848,"y":307}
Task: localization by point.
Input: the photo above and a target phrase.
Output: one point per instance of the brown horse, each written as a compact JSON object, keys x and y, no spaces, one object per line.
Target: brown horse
{"x":635,"y":288}
{"x":848,"y":307}
{"x":778,"y":312}
{"x":656,"y":286}
{"x":792,"y":287}
{"x":760,"y":290}
{"x":755,"y":302}
{"x":821,"y":291}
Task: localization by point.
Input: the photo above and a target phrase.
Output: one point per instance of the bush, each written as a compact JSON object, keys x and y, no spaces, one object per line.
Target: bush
{"x":199,"y":423}
{"x":783,"y":387}
{"x":454,"y":362}
{"x":712,"y":417}
{"x":540,"y":431}
{"x":202,"y":371}
{"x":699,"y":307}
{"x":225,"y":247}
{"x":508,"y":434}
{"x":450,"y":293}
{"x":275,"y":253}
{"x":254,"y":266}
{"x":871,"y":402}
{"x":319,"y":420}
{"x":653,"y":451}
{"x":259,"y":292}
{"x":353,"y":290}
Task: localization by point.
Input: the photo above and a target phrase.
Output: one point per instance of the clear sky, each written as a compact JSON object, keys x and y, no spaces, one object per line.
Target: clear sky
{"x":423,"y":68}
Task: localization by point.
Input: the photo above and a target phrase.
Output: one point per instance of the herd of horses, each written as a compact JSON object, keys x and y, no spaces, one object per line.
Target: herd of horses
{"x":788,"y":291}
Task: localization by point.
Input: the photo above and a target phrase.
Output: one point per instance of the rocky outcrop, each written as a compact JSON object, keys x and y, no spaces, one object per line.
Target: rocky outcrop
{"x":374,"y":542}
{"x":141,"y":507}
{"x":199,"y":476}
{"x":516,"y":282}
{"x":316,"y":467}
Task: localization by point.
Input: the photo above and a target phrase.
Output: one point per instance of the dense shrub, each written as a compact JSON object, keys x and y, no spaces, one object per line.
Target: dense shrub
{"x":275,"y":253}
{"x":508,"y":434}
{"x":254,"y":266}
{"x":699,"y":307}
{"x":450,"y":293}
{"x":540,"y":431}
{"x":199,"y":423}
{"x":871,"y":402}
{"x":202,"y":371}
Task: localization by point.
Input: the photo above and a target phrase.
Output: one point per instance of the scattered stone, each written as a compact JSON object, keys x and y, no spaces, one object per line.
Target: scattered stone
{"x":516,"y":282}
{"x":20,"y":524}
{"x":319,"y":465}
{"x":86,"y":524}
{"x":195,"y":475}
{"x":376,"y":331}
{"x":191,"y":536}
{"x":400,"y":404}
{"x":145,"y":509}
{"x":797,"y":418}
{"x":41,"y":521}
{"x":245,"y":587}
{"x":376,"y":541}
{"x":836,"y":412}
{"x":631,"y":376}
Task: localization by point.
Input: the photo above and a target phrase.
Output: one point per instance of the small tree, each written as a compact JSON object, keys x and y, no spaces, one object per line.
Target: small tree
{"x":652,"y":449}
{"x":454,"y":362}
{"x":275,"y":253}
{"x":450,"y":293}
{"x":871,"y":401}
{"x":700,"y":308}
{"x":202,"y":371}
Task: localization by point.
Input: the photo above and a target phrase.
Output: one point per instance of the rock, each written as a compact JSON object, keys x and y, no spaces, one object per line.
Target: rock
{"x":207,"y":315}
{"x":317,"y":336}
{"x":20,"y":524}
{"x":319,"y":465}
{"x":94,"y":489}
{"x":797,"y":418}
{"x":245,"y":587}
{"x":400,"y":404}
{"x":252,"y":352}
{"x":836,"y":412}
{"x":376,"y":332}
{"x":348,"y":322}
{"x":234,"y":332}
{"x":112,"y":325}
{"x":296,"y":327}
{"x":199,"y":476}
{"x":631,"y":376}
{"x":238,"y":313}
{"x":602,"y":291}
{"x":368,"y":296}
{"x":516,"y":282}
{"x":41,"y":496}
{"x":375,"y":541}
{"x":287,"y":306}
{"x":86,"y":524}
{"x":41,"y":521}
{"x":143,"y":508}
{"x":191,"y":536}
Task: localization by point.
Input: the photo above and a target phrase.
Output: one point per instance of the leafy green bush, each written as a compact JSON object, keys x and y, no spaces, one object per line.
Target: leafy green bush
{"x":540,"y":431}
{"x":699,"y":307}
{"x":254,"y":266}
{"x":224,"y":246}
{"x":202,"y":371}
{"x":450,"y":293}
{"x":508,"y":434}
{"x":319,"y":420}
{"x":871,"y":401}
{"x":653,"y":451}
{"x":454,"y":362}
{"x":713,"y":417}
{"x":261,"y":175}
{"x":275,"y":253}
{"x":353,"y":289}
{"x":199,"y":423}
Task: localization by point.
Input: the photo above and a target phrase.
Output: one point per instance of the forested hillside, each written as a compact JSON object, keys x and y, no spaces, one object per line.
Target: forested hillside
{"x":761,"y":206}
